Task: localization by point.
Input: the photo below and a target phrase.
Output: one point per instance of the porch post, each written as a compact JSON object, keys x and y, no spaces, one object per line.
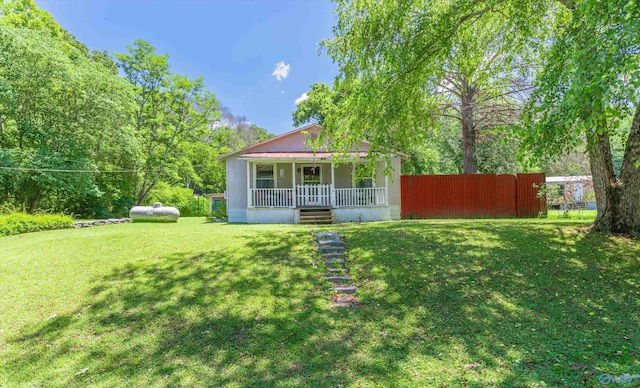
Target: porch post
{"x":293,"y":175}
{"x":332,"y":192}
{"x":275,"y":175}
{"x":386,"y":186}
{"x":249,"y":204}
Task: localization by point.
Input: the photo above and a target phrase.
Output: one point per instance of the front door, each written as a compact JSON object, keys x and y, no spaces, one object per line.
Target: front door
{"x":311,"y":179}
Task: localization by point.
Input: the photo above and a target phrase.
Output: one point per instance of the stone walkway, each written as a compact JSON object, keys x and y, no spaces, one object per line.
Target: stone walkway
{"x":332,"y":249}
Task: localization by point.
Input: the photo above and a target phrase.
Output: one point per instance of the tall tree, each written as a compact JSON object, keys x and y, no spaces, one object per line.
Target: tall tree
{"x":483,"y":85}
{"x":406,"y":64}
{"x":170,"y":110}
{"x":588,"y":87}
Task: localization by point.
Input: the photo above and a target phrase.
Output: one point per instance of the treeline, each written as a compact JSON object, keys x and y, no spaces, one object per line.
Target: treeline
{"x":90,"y":134}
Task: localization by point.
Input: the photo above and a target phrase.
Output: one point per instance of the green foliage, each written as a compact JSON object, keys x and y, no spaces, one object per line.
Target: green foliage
{"x":587,"y":87}
{"x":497,"y":154}
{"x":442,"y":154}
{"x":58,"y":109}
{"x":170,"y":111}
{"x":398,"y":59}
{"x":180,"y":198}
{"x":17,"y":223}
{"x":321,"y":101}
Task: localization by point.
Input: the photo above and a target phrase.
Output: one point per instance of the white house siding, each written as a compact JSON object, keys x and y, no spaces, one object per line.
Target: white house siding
{"x":271,"y":216}
{"x":342,"y":175}
{"x":285,"y":180}
{"x":362,"y":214}
{"x":236,"y":190}
{"x":237,"y":215}
{"x":394,"y":189}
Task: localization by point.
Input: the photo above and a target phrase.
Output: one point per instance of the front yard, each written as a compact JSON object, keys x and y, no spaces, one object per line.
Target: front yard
{"x":446,"y":302}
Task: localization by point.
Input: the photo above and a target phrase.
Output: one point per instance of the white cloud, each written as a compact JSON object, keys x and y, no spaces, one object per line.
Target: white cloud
{"x":303,"y":97}
{"x":282,"y":71}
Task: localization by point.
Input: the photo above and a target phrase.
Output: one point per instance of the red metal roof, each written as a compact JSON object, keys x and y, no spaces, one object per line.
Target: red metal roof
{"x":298,"y":155}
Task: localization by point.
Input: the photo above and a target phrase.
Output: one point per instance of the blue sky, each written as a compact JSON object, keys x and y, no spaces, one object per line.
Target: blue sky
{"x":235,"y":45}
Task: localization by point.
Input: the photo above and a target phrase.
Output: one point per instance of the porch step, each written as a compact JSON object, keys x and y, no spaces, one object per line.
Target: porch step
{"x":316,"y":216}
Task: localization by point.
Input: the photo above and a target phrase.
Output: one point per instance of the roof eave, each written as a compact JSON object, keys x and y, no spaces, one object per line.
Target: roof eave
{"x":245,"y":149}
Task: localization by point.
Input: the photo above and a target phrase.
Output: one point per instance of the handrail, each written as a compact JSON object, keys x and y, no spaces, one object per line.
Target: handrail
{"x":280,"y":198}
{"x":357,"y":197}
{"x":317,"y":195}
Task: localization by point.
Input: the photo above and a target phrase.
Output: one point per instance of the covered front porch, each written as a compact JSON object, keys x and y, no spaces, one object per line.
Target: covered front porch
{"x":298,"y":184}
{"x":317,"y":196}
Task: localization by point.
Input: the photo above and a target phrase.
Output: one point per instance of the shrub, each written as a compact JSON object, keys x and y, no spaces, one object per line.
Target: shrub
{"x":16,"y":223}
{"x":180,"y":198}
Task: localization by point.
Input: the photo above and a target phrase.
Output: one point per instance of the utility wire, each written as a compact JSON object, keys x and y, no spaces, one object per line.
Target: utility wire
{"x":41,"y":156}
{"x":74,"y":171}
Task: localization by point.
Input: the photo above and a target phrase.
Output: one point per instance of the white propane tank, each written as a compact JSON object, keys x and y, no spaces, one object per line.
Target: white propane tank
{"x":155,"y":213}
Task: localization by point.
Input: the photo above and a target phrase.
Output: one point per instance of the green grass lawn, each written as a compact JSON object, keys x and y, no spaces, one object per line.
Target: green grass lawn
{"x":572,"y":214}
{"x":444,"y":303}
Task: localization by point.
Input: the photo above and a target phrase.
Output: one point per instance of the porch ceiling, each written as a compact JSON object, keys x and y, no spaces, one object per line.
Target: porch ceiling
{"x":298,"y":155}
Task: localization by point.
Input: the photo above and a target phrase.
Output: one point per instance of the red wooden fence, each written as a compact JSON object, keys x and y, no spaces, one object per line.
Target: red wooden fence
{"x":471,"y":196}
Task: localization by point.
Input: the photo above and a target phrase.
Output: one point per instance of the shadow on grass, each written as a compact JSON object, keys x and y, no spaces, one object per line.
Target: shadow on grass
{"x":470,"y":304}
{"x":539,"y":302}
{"x":221,"y":317}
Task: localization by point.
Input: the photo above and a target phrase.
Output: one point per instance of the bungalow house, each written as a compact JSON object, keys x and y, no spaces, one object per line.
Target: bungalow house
{"x":281,"y":180}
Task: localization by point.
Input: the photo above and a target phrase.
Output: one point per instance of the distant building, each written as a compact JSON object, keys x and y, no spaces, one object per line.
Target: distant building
{"x":574,"y":192}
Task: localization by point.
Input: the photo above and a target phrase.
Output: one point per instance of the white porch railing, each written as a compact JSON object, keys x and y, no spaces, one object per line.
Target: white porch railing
{"x":271,"y":198}
{"x":368,"y":196}
{"x":318,"y":195}
{"x":314,"y":195}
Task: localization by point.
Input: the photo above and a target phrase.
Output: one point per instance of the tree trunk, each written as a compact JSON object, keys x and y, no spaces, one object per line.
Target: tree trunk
{"x":33,"y":202}
{"x":604,"y":180}
{"x":618,"y":200}
{"x":468,"y":131}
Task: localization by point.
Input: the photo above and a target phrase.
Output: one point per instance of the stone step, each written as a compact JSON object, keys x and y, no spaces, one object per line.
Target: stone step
{"x":333,"y":255}
{"x":344,"y":300}
{"x":344,"y":289}
{"x":338,"y":279}
{"x":330,"y":243}
{"x":333,"y":271}
{"x":327,"y":236}
{"x":334,"y":261}
{"x":330,"y":248}
{"x":333,"y":244}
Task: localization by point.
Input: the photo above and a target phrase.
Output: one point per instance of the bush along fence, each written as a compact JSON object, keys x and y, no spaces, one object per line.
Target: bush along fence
{"x":471,"y":196}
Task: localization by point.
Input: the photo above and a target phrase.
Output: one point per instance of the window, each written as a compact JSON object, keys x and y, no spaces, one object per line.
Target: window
{"x":364,"y":183}
{"x":264,"y":176}
{"x":311,"y":175}
{"x":363,"y":176}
